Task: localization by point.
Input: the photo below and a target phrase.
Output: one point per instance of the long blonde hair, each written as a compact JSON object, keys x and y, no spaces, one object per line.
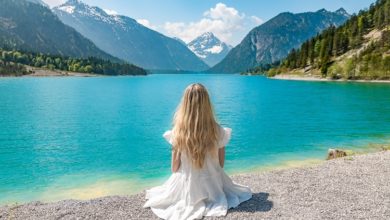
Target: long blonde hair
{"x":195,"y":129}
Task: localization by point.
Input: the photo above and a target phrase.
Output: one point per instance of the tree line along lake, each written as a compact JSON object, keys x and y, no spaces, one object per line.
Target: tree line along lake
{"x":75,"y":137}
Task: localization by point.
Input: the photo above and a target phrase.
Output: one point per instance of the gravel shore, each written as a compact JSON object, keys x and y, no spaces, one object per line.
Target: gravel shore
{"x":355,"y":187}
{"x":42,"y":72}
{"x":296,"y":77}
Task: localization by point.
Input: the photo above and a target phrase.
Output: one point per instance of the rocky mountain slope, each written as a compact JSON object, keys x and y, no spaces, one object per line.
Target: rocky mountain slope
{"x":28,"y":26}
{"x":125,"y":38}
{"x":273,"y":40}
{"x":359,"y":49}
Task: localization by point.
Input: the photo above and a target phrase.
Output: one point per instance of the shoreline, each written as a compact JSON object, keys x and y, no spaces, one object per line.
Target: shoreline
{"x":350,"y":187}
{"x":103,"y":187}
{"x":117,"y":185}
{"x":369,"y":148}
{"x":296,"y":77}
{"x":42,"y":72}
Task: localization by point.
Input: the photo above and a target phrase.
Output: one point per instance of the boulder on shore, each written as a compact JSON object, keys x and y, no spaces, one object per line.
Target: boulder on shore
{"x":335,"y":153}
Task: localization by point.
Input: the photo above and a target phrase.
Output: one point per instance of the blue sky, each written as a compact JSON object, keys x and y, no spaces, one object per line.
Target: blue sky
{"x":230,"y":20}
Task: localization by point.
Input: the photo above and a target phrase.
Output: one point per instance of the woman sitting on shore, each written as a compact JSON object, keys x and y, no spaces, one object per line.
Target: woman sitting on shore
{"x":198,"y":185}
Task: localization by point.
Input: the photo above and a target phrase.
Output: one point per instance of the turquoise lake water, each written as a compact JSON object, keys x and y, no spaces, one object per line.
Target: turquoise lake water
{"x":81,"y":138}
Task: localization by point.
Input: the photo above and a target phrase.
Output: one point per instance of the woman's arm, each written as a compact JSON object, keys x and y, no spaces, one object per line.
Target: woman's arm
{"x":221,"y":156}
{"x":175,"y":164}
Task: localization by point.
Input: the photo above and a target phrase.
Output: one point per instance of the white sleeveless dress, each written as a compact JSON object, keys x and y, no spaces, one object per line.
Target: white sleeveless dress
{"x":192,"y":193}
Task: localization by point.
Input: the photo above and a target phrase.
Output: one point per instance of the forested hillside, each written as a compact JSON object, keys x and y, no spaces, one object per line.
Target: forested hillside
{"x":29,"y":26}
{"x":14,"y":63}
{"x":272,"y":41}
{"x":359,"y":49}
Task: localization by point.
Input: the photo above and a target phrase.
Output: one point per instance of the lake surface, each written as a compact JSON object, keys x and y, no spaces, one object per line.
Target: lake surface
{"x":64,"y":138}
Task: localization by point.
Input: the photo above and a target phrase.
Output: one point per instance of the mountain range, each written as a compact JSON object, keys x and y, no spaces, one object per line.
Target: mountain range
{"x":78,"y":30}
{"x":26,"y":25}
{"x":209,"y":48}
{"x":357,"y":50}
{"x":273,"y":40}
{"x":126,"y":39}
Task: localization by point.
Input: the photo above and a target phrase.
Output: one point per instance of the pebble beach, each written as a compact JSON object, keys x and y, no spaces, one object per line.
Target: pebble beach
{"x":353,"y":187}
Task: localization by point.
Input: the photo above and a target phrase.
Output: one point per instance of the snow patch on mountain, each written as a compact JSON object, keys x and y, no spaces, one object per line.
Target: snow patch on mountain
{"x":78,"y":9}
{"x":67,"y":8}
{"x":215,"y":49}
{"x":343,"y":12}
{"x":128,"y":39}
{"x":110,"y":12}
{"x":209,"y":48}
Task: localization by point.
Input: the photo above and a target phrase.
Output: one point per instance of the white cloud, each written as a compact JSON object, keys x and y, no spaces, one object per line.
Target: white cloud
{"x":53,"y":3}
{"x":221,"y":11}
{"x":147,"y":23}
{"x":227,"y":23}
{"x":256,"y":20}
{"x":221,"y":20}
{"x":110,"y":12}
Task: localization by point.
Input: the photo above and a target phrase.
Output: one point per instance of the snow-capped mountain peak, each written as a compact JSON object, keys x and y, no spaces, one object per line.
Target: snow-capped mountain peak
{"x":209,"y":48}
{"x":73,"y":4}
{"x":77,"y":8}
{"x":208,"y":35}
{"x":67,"y":8}
{"x":127,"y":39}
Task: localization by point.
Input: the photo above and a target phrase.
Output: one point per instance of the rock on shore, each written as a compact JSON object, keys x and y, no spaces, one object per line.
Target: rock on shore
{"x":355,"y":187}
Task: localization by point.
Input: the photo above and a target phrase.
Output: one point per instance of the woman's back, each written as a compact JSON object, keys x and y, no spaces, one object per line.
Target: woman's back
{"x":191,"y":192}
{"x":211,"y":164}
{"x":198,"y":185}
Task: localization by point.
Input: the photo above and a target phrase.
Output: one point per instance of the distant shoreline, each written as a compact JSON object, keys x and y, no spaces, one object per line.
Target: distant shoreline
{"x":38,"y":72}
{"x":42,"y":72}
{"x":295,"y":77}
